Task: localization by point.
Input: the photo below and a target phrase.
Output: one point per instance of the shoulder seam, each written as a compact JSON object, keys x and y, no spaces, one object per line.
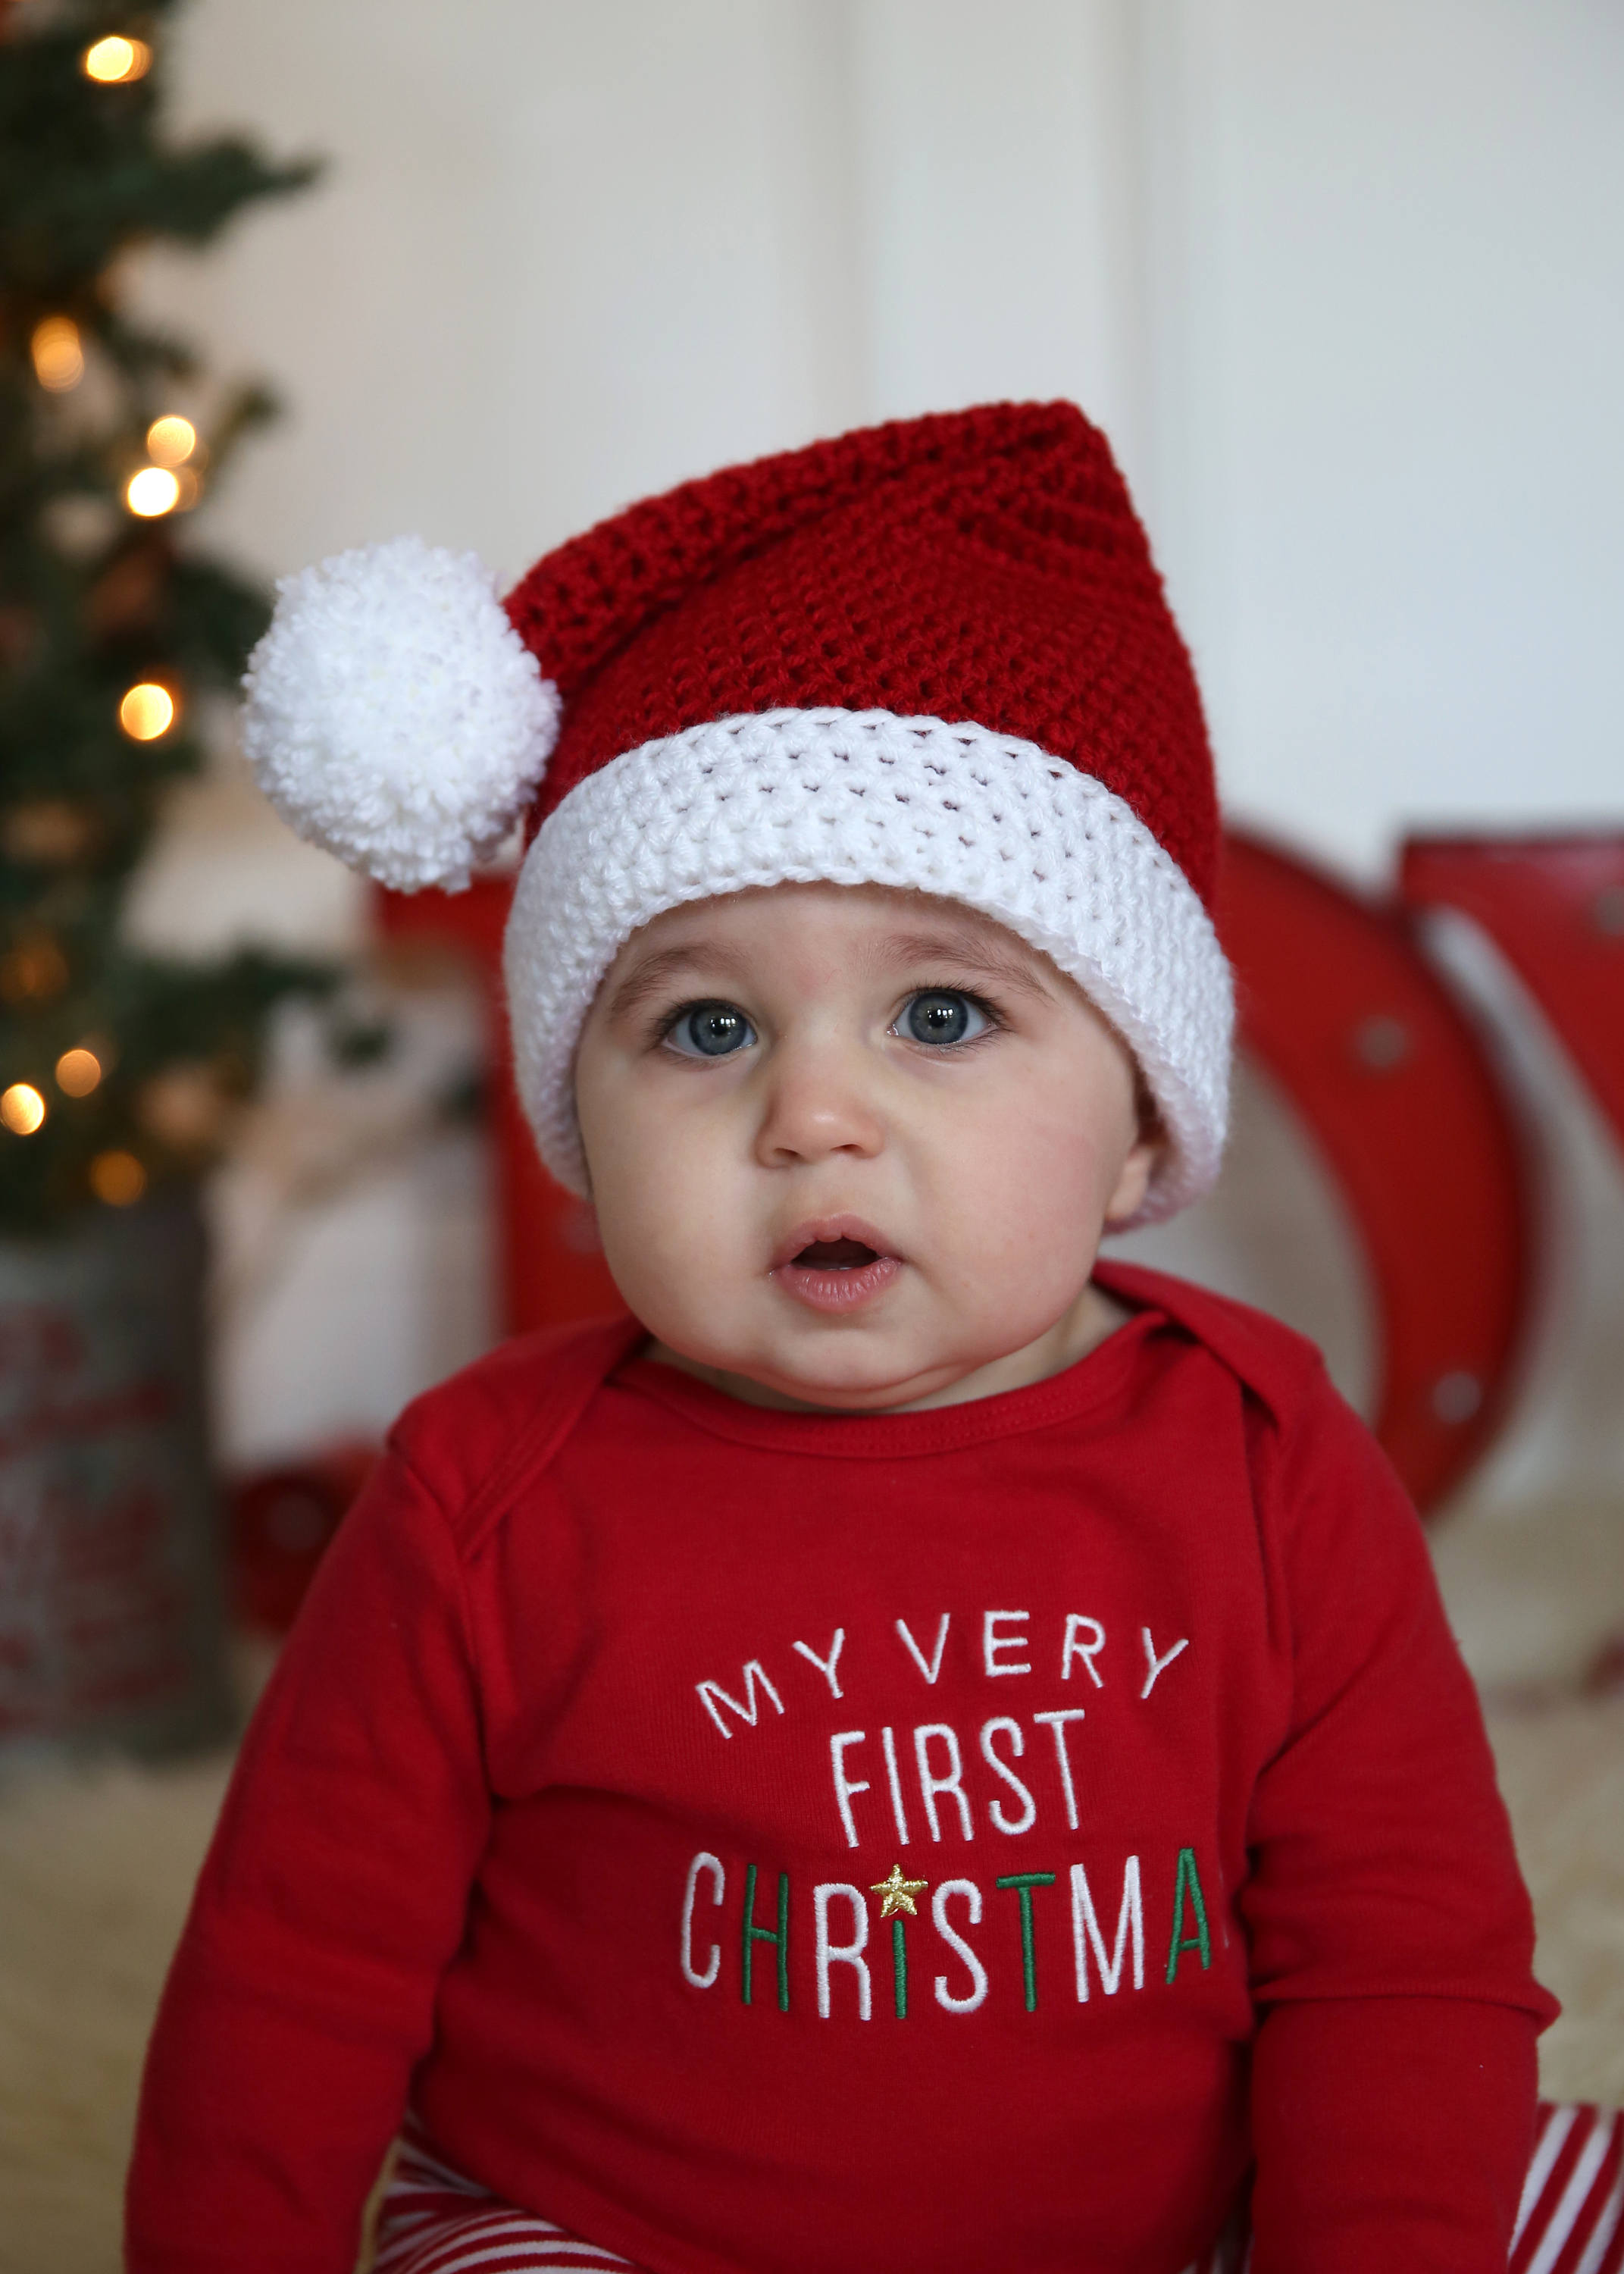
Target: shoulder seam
{"x":1272,"y":1363}
{"x":598,"y":1352}
{"x":465,"y":1617}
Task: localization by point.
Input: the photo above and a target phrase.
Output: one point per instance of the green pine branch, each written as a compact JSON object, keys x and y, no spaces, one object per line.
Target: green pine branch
{"x":98,"y":604}
{"x":84,"y":175}
{"x":159,"y":1026}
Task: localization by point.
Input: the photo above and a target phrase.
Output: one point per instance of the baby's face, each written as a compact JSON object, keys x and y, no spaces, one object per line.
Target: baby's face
{"x":854,"y":1148}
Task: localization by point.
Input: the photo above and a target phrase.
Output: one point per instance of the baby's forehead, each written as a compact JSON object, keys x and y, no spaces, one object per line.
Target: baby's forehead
{"x":794,"y":941}
{"x":863,"y":925}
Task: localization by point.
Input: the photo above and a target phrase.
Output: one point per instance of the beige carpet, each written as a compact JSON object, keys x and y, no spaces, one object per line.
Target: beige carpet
{"x":95,"y":1868}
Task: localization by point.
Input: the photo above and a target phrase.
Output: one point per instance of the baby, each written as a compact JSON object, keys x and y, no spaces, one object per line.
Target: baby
{"x":914,"y":1749}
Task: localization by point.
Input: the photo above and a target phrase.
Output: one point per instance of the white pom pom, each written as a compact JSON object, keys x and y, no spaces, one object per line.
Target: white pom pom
{"x":394,"y":714}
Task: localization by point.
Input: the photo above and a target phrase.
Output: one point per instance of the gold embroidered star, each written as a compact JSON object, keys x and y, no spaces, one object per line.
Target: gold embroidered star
{"x":899,"y":1893}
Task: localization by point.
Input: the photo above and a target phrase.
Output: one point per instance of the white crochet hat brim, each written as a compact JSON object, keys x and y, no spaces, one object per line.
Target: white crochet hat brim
{"x":865,"y":797}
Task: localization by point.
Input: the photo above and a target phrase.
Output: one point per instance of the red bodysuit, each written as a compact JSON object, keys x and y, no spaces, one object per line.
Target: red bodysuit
{"x":770,"y":1843}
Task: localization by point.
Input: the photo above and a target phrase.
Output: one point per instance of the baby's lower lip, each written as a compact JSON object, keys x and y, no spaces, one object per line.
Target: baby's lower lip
{"x":843,"y":1287}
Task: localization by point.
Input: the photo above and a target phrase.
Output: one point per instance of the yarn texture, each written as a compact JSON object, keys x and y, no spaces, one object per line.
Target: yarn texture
{"x":983,"y":565}
{"x":394,"y":715}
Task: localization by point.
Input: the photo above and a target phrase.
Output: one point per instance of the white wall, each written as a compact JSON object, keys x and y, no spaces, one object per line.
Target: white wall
{"x":567,"y":253}
{"x":1345,"y":282}
{"x":1343,"y":278}
{"x":1406,"y":322}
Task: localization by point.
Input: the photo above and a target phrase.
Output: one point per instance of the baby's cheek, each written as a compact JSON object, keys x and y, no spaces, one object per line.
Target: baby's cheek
{"x":689,"y":1235}
{"x":1040,"y":1222}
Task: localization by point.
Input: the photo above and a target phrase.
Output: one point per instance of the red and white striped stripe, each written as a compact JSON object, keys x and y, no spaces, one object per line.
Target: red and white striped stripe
{"x":1571,"y":2219}
{"x":435,"y":2221}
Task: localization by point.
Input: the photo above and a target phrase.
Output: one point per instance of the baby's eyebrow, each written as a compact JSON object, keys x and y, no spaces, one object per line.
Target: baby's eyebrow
{"x":968,"y":954}
{"x":656,"y":973}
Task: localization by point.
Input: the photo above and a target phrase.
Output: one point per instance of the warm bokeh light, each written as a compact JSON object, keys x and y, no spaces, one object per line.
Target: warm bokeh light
{"x":186,"y":1107}
{"x":113,"y":59}
{"x":22,"y":1109}
{"x":77,"y":1073}
{"x":154,"y":490}
{"x":34,"y":970}
{"x":147,"y":711}
{"x":170,"y":442}
{"x":58,"y":353}
{"x":46,"y":832}
{"x":117,"y":1178}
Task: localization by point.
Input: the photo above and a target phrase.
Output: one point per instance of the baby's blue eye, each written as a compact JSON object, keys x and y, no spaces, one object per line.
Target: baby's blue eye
{"x":938,"y":1014}
{"x":710,"y":1030}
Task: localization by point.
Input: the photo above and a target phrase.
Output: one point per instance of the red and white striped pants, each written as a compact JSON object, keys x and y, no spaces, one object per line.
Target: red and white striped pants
{"x":434,"y":2221}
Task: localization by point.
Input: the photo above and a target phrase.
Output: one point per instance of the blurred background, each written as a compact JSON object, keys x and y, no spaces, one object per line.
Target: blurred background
{"x":1344,"y":285}
{"x":1343,"y":282}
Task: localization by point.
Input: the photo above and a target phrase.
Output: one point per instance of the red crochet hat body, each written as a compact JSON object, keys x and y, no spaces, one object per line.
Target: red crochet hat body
{"x":983,"y":565}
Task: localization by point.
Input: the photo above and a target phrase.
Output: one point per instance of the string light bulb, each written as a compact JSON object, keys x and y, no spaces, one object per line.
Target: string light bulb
{"x":114,"y":61}
{"x":58,"y":353}
{"x":170,"y":441}
{"x":148,"y":710}
{"x":22,"y":1109}
{"x":77,"y":1073}
{"x":116,"y":1177}
{"x":154,"y":491}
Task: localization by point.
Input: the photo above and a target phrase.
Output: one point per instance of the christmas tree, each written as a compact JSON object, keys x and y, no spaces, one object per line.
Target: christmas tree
{"x":118,"y":1070}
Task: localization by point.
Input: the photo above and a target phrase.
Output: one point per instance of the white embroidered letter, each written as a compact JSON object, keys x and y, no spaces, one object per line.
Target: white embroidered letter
{"x":928,"y":1667}
{"x":1074,"y":1647}
{"x":1029,"y":1807}
{"x":845,"y":1790}
{"x":1057,"y":1723}
{"x":826,"y":1666}
{"x":842,"y":1953}
{"x":993,"y":1642}
{"x":887,"y":1746}
{"x":1085,"y":1930}
{"x":957,"y":1944}
{"x":702,"y":1862}
{"x":1156,"y":1666}
{"x":953,"y":1781}
{"x":713,"y":1696}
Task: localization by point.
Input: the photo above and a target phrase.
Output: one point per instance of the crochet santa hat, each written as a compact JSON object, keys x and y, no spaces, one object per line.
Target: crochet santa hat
{"x":934,"y":654}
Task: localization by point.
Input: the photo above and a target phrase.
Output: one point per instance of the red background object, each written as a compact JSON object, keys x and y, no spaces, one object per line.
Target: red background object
{"x":1394,"y":1084}
{"x":552,"y":1267}
{"x":281,"y":1522}
{"x":1555,"y":907}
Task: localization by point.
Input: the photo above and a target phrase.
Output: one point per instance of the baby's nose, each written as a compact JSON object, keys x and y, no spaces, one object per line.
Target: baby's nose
{"x":817,"y":1099}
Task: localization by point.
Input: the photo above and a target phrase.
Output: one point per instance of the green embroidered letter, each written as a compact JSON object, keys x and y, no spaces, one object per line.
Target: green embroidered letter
{"x":1188,"y":1883}
{"x":899,"y":1967}
{"x":753,"y":1934}
{"x":1023,"y":1883}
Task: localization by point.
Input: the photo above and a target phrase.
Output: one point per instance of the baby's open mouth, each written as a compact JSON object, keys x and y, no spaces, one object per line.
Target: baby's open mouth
{"x":834,"y":1255}
{"x":837,"y":1270}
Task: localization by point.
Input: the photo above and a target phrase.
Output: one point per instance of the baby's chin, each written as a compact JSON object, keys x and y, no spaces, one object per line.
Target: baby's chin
{"x":845,"y":1374}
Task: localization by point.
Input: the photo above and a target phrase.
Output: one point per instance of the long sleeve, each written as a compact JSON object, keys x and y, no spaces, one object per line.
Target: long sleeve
{"x":1390,"y":2132}
{"x":332,"y":1901}
{"x":1393,"y":2076}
